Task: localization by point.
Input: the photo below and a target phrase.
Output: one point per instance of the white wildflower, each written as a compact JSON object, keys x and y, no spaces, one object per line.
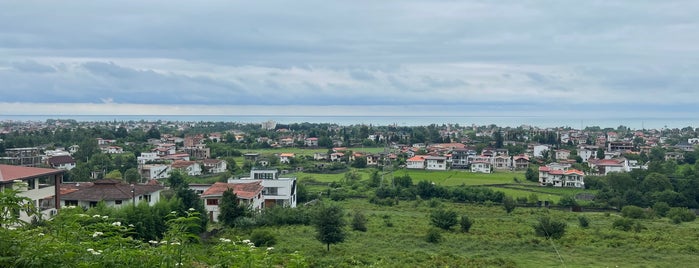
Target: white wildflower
{"x":105,"y":217}
{"x":96,"y":234}
{"x":163,"y":242}
{"x":96,"y":253}
{"x":191,"y":209}
{"x":270,"y":248}
{"x":41,"y":234}
{"x":90,"y":250}
{"x":246,"y":241}
{"x":83,"y":215}
{"x":173,"y":212}
{"x":116,"y":223}
{"x":175,"y":243}
{"x":131,"y":225}
{"x":96,"y":216}
{"x":178,"y":264}
{"x":153,"y":242}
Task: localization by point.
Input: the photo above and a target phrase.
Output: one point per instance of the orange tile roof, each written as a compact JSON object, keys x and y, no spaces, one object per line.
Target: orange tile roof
{"x":10,"y":173}
{"x":286,"y":155}
{"x":242,"y":190}
{"x":182,"y":164}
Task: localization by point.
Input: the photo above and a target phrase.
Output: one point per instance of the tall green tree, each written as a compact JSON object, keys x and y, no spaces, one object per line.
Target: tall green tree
{"x":132,"y":176}
{"x":230,"y":209}
{"x":330,"y":223}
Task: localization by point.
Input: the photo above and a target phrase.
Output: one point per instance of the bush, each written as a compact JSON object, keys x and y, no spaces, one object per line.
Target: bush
{"x":433,"y":236}
{"x":550,"y":228}
{"x":661,"y":209}
{"x":444,"y":219}
{"x":623,"y":224}
{"x":633,"y":212}
{"x":263,"y":238}
{"x":678,"y":215}
{"x":584,"y":221}
{"x":568,"y":201}
{"x":359,"y":221}
{"x":465,"y":223}
{"x":509,"y":204}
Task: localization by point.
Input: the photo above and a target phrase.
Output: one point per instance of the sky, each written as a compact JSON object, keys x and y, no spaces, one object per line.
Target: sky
{"x":481,"y":58}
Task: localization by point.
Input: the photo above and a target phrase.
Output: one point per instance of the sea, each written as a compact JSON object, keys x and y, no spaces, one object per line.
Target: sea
{"x":502,"y":121}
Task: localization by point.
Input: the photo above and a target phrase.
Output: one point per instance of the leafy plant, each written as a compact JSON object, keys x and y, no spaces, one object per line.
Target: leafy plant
{"x":359,"y":221}
{"x":444,"y":219}
{"x":433,"y":236}
{"x":550,"y":228}
{"x":465,"y":223}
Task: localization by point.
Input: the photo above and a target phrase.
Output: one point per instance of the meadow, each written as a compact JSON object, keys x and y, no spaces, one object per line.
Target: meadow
{"x":396,"y":238}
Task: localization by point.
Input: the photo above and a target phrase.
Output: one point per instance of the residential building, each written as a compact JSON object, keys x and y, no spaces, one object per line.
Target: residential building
{"x":436,"y":163}
{"x":114,"y":193}
{"x":285,"y":158}
{"x":416,"y":162}
{"x":247,"y":193}
{"x":520,"y":161}
{"x":278,"y":191}
{"x":190,"y":168}
{"x":154,"y":171}
{"x":311,"y":142}
{"x":481,"y":167}
{"x":459,"y":157}
{"x":502,"y":162}
{"x":562,"y":154}
{"x":41,"y":185}
{"x":606,"y":166}
{"x":147,"y":157}
{"x":561,"y":176}
{"x":65,"y":162}
{"x":538,"y":150}
{"x":198,"y":152}
{"x":214,"y":166}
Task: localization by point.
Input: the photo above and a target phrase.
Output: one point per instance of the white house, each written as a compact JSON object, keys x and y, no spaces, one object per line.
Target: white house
{"x":558,"y":176}
{"x":277,"y":191}
{"x":248,"y":193}
{"x":481,"y":167}
{"x":190,"y":168}
{"x":154,"y":171}
{"x":146,"y":157}
{"x":285,"y":158}
{"x":586,"y":154}
{"x":65,"y":162}
{"x":606,"y":166}
{"x":311,"y":142}
{"x":539,"y":150}
{"x":215,"y":166}
{"x":38,"y":184}
{"x":416,"y":162}
{"x":436,"y":163}
{"x":112,"y":150}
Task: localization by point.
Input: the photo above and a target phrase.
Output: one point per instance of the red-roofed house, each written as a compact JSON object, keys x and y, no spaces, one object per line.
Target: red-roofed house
{"x":311,"y":142}
{"x":114,"y":193}
{"x":248,"y":193}
{"x":521,"y":161}
{"x":560,"y":176}
{"x":214,"y":166}
{"x":416,"y":162}
{"x":38,"y":184}
{"x":605,"y":166}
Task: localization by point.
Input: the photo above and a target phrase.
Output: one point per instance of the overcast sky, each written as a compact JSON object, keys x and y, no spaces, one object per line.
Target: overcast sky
{"x":342,"y":57}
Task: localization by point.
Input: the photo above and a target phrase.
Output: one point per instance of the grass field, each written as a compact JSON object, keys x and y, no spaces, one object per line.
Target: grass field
{"x":495,"y":240}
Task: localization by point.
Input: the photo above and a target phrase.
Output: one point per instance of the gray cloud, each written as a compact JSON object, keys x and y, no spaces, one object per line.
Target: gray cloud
{"x":350,"y":53}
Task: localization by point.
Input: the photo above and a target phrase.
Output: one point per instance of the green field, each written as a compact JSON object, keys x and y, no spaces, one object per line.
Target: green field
{"x":495,"y":240}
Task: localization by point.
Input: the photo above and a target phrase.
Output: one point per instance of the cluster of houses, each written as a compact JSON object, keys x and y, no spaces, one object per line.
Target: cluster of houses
{"x":264,"y":188}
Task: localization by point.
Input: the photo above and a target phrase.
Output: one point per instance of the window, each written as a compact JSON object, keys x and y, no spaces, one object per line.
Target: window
{"x":212,"y":202}
{"x":71,"y":203}
{"x":117,"y":202}
{"x":93,"y":204}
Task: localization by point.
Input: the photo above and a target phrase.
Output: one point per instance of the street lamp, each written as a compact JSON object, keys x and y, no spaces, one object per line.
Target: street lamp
{"x":133,"y":195}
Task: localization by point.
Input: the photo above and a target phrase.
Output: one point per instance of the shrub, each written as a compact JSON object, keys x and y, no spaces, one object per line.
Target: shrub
{"x":359,"y":222}
{"x":678,"y":215}
{"x":661,"y":209}
{"x":633,"y":212}
{"x":509,"y":204}
{"x":550,"y":228}
{"x":433,"y":236}
{"x":584,"y":221}
{"x":623,"y":224}
{"x":568,"y":201}
{"x":444,"y":219}
{"x":263,"y":238}
{"x":465,"y":223}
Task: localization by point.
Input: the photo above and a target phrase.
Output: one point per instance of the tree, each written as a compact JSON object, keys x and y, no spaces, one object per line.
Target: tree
{"x":153,"y":133}
{"x":600,"y":153}
{"x":359,"y":162}
{"x":132,"y":176}
{"x":329,"y":223}
{"x":509,"y":204}
{"x":531,"y":175}
{"x":444,"y":219}
{"x":230,"y":209}
{"x":550,"y":228}
{"x":114,"y":174}
{"x":11,"y":204}
{"x":359,"y":221}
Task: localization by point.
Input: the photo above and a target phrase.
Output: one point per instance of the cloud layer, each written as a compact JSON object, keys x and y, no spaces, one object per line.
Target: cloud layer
{"x":506,"y":54}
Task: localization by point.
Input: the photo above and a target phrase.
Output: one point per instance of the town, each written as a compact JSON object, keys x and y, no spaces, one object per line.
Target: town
{"x":67,"y":164}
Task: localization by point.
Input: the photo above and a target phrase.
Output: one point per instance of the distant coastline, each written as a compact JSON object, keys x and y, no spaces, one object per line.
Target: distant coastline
{"x":503,"y":121}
